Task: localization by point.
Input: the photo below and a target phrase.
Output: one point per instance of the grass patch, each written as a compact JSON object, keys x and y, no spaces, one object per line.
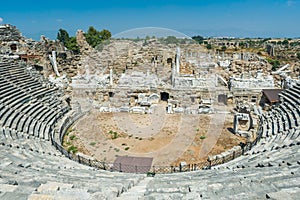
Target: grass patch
{"x":72,"y":149}
{"x":69,"y":131}
{"x":114,"y":134}
{"x":202,"y":137}
{"x":72,"y":137}
{"x":93,"y":143}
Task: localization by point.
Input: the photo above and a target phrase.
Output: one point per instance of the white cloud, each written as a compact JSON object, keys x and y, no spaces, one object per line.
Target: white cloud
{"x":1,"y":20}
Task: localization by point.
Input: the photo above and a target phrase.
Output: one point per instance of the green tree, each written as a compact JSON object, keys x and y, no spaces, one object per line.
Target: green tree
{"x":63,"y":36}
{"x":208,"y":46}
{"x":94,"y":37}
{"x":275,"y":63}
{"x":69,"y":42}
{"x":198,"y":39}
{"x":298,"y":55}
{"x":171,"y":40}
{"x":105,"y":34}
{"x":285,"y":42}
{"x":72,"y":45}
{"x":223,"y":48}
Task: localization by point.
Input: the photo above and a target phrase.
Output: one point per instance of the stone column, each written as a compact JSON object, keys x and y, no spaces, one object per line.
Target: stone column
{"x":235,"y":123}
{"x":54,"y":63}
{"x":178,"y":60}
{"x":173,"y":74}
{"x":111,"y":76}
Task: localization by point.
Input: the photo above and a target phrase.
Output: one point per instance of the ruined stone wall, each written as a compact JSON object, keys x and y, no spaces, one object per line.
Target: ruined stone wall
{"x":9,"y":33}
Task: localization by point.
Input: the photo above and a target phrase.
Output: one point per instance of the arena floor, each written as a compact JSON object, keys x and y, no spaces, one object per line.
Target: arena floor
{"x":167,"y":138}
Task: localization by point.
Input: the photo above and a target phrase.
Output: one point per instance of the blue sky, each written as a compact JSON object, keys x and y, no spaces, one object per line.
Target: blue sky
{"x":249,"y":18}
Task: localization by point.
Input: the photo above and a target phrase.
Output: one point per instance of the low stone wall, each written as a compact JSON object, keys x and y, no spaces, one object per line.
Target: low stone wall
{"x":226,"y":156}
{"x":236,"y":151}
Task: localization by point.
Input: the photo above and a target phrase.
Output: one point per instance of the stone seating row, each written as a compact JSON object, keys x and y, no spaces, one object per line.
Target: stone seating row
{"x":239,"y":183}
{"x":38,"y":121}
{"x":282,"y":118}
{"x":32,"y":175}
{"x":272,"y":150}
{"x":24,"y":109}
{"x":13,"y":138}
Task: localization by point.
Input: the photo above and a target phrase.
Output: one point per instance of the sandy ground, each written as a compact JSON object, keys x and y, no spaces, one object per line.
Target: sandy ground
{"x":168,"y":138}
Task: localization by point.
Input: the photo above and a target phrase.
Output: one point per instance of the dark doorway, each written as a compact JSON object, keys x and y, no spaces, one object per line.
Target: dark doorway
{"x":164,"y":96}
{"x":38,"y":68}
{"x":13,"y":47}
{"x":111,"y":94}
{"x":169,"y":60}
{"x":222,"y":98}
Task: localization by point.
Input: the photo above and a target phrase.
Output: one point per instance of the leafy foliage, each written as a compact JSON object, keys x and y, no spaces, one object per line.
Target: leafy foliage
{"x":114,"y":135}
{"x":275,"y":63}
{"x":72,"y":137}
{"x":69,"y":42}
{"x":223,"y":48}
{"x":63,"y":36}
{"x":198,"y":39}
{"x":93,"y":143}
{"x":94,"y":37}
{"x":208,"y":46}
{"x":285,"y":42}
{"x":202,"y":137}
{"x":72,"y":149}
{"x":72,"y":45}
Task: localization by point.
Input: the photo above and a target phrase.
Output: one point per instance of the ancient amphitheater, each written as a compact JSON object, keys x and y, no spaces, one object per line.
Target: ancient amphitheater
{"x":35,"y":114}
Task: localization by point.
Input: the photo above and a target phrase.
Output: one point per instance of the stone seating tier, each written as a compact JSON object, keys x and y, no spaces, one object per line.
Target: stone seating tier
{"x":31,"y":168}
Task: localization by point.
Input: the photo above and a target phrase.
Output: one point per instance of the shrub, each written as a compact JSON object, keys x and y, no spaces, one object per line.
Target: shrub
{"x":72,"y":149}
{"x":202,"y":137}
{"x":275,"y":63}
{"x":114,"y":134}
{"x":150,"y":174}
{"x":72,"y":137}
{"x":92,"y":143}
{"x":126,"y":149}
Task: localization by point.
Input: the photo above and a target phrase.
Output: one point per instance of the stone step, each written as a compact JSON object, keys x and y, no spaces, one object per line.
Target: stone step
{"x":137,"y":191}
